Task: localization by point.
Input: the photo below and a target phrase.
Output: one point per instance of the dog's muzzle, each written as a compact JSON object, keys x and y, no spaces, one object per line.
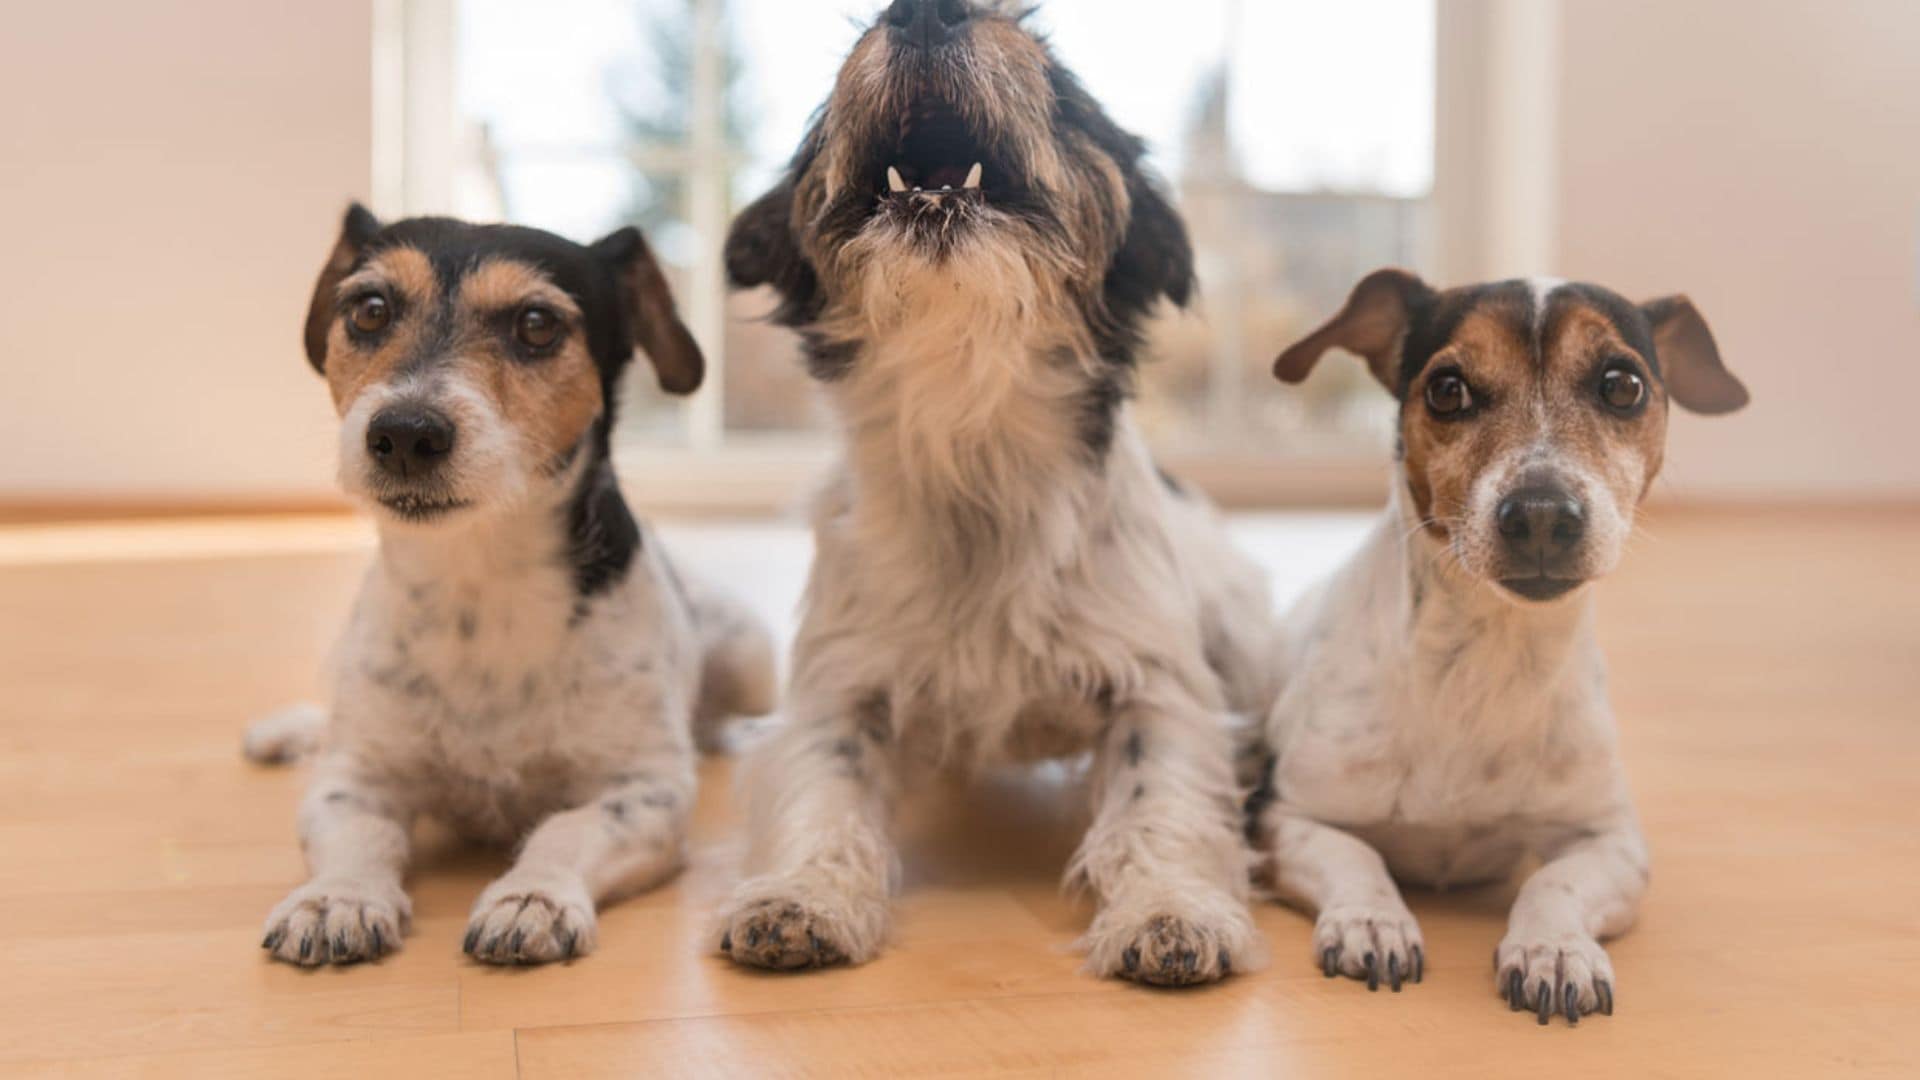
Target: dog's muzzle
{"x":1541,"y":530}
{"x":410,"y":446}
{"x":928,"y":24}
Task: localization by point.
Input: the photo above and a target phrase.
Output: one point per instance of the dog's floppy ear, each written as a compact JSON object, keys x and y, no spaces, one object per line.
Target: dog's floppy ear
{"x":356,"y":232}
{"x":1156,"y":258}
{"x":762,"y":250}
{"x":760,"y":244}
{"x":1372,"y":326}
{"x":1689,"y":359}
{"x":657,"y":329}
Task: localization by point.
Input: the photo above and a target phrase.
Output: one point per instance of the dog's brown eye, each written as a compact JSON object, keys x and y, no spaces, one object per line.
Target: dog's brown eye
{"x":538,"y":328}
{"x":1622,"y":390}
{"x":371,"y":314}
{"x":1449,"y":395}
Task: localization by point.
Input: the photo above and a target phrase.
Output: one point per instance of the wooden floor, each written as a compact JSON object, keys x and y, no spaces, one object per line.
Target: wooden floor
{"x":1767,"y":668}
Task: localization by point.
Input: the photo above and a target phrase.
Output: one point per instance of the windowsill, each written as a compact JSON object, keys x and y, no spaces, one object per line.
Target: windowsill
{"x":776,"y":475}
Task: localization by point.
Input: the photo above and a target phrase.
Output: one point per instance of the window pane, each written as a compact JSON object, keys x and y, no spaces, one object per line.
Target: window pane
{"x":573,"y":120}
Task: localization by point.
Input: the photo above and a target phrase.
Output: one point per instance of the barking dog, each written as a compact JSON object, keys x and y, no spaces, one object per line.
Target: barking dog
{"x":1445,"y":711}
{"x":968,"y":245}
{"x":523,"y":661}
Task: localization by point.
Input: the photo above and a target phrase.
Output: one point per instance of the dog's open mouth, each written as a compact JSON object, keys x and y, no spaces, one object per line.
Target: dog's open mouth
{"x":420,"y":509}
{"x":1542,"y":588}
{"x":938,"y":162}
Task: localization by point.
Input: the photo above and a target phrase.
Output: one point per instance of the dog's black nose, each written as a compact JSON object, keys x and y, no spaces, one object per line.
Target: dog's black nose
{"x":409,"y":441}
{"x":927,"y":23}
{"x":1541,"y":524}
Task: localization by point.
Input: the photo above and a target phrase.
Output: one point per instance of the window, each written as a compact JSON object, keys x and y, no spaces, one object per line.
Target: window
{"x":1297,"y":135}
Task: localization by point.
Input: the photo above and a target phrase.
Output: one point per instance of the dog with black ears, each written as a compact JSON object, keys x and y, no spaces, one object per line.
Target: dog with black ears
{"x":1444,"y":714}
{"x":524,"y":661}
{"x":968,"y":246}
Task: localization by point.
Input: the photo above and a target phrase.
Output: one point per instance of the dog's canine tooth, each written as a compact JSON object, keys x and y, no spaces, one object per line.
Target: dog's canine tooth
{"x":974,"y":177}
{"x":895,"y":182}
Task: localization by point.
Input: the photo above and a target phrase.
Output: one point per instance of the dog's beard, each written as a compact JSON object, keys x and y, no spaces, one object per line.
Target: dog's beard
{"x":969,"y":362}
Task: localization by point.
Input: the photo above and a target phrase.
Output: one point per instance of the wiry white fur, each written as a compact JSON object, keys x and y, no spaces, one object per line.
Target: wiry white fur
{"x":1542,"y":289}
{"x":985,"y":591}
{"x":1432,"y":729}
{"x":473,"y":684}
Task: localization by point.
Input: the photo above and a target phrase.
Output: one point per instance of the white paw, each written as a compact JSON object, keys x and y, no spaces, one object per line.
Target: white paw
{"x":1174,"y":944}
{"x":285,"y":736}
{"x":789,"y":925}
{"x":519,"y":921}
{"x":338,"y":922}
{"x":1554,"y":975}
{"x":1380,"y":943}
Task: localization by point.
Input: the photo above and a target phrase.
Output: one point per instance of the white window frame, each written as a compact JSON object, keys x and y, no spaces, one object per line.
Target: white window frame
{"x":1493,"y":212}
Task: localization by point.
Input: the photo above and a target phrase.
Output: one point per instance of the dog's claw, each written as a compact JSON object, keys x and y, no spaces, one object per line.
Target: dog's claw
{"x":472,"y":942}
{"x":1393,"y":971}
{"x":726,"y":942}
{"x":1226,"y":964}
{"x":1372,"y":962}
{"x":1330,"y":961}
{"x":1543,"y":1005}
{"x":379,"y":941}
{"x":1130,"y":959}
{"x":1605,"y":990}
{"x":1571,"y":1002}
{"x":1419,"y":964}
{"x":1516,"y":991}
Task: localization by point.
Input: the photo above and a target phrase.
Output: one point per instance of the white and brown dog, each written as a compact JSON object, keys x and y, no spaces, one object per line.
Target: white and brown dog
{"x":968,"y":246}
{"x":523,"y":662}
{"x":1444,"y":713}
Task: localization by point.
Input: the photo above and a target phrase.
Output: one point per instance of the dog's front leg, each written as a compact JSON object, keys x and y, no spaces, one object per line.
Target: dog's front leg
{"x":821,"y":866}
{"x":1590,"y":888}
{"x":628,"y":839}
{"x":353,"y":907}
{"x":1165,"y":857}
{"x":1362,"y":927}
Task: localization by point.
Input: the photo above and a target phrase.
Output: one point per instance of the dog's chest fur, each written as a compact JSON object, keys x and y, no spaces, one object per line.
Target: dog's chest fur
{"x":1001,"y":580}
{"x":477,"y":676}
{"x":1449,"y":728}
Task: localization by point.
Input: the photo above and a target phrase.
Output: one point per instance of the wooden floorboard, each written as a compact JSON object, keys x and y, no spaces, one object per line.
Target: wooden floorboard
{"x":1766,"y":666}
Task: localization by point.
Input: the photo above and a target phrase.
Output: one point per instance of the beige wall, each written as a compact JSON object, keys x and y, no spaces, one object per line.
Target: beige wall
{"x":1763,"y":156}
{"x":169,"y":183}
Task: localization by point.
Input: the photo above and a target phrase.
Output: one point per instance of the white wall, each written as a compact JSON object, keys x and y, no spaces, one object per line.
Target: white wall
{"x":1763,"y":156}
{"x":170,"y":178}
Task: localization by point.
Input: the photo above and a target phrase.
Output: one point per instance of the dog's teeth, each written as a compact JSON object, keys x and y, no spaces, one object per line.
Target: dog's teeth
{"x":895,"y":182}
{"x":974,"y":177}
